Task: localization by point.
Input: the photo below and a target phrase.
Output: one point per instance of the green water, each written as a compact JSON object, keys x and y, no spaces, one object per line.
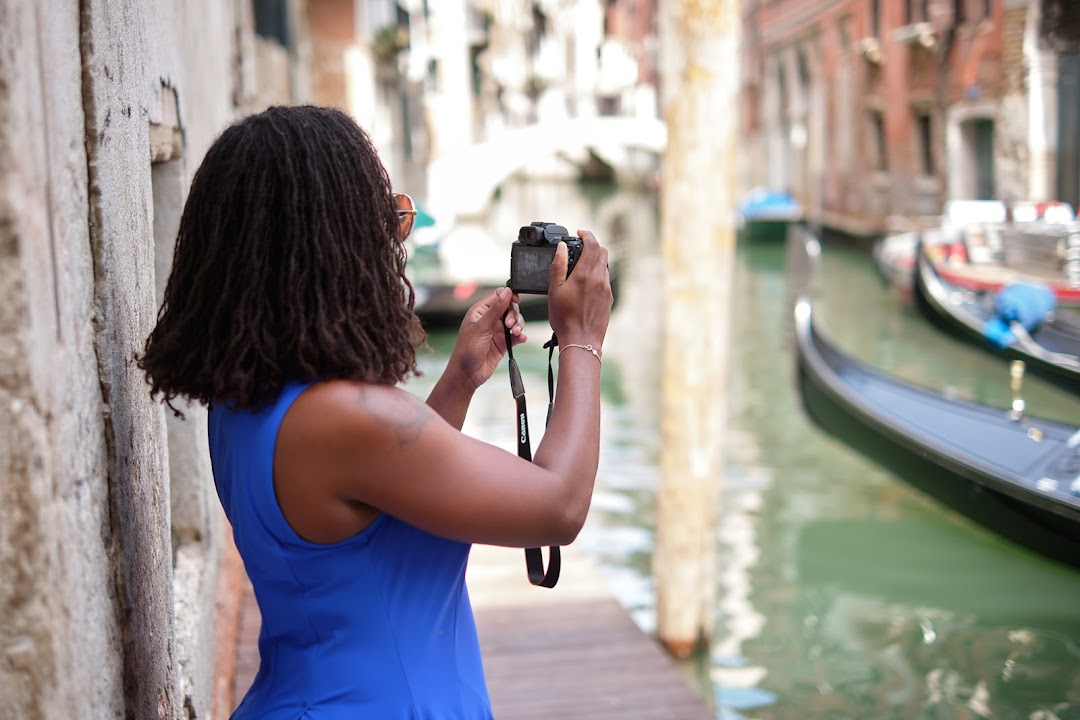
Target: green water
{"x":843,"y":592}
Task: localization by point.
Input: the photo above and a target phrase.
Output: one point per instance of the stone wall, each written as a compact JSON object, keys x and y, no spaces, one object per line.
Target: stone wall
{"x":60,"y":634}
{"x":109,"y":532}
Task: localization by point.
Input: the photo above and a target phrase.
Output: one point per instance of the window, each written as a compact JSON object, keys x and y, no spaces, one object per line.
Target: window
{"x":880,"y":148}
{"x":973,"y":10}
{"x":476,"y":71}
{"x":804,"y":69}
{"x":977,"y":136}
{"x":272,"y":21}
{"x":924,"y":128}
{"x":432,"y":81}
{"x":984,"y":156}
{"x":917,"y":11}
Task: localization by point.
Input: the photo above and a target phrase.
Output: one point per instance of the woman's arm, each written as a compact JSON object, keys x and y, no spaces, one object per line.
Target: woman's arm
{"x":451,"y":396}
{"x":380,"y":447}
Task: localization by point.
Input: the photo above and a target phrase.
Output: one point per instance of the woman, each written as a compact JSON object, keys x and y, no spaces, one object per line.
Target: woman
{"x":354,"y":504}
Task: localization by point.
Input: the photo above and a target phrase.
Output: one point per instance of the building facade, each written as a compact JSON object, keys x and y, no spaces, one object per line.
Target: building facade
{"x":428,"y":80}
{"x":871,"y":109}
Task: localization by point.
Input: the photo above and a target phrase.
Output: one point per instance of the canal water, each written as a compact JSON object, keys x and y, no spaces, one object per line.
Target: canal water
{"x":843,"y":592}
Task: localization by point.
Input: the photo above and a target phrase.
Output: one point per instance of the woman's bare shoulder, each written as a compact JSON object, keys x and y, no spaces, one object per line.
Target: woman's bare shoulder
{"x":347,"y":406}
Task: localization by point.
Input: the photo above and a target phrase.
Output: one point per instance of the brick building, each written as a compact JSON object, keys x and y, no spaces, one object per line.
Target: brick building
{"x":867,"y":109}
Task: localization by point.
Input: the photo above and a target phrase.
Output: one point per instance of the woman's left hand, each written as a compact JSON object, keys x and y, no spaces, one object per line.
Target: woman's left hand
{"x":481,"y":341}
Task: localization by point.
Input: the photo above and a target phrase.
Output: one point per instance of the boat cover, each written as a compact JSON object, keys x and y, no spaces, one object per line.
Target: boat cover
{"x":763,"y":204}
{"x":1022,"y":302}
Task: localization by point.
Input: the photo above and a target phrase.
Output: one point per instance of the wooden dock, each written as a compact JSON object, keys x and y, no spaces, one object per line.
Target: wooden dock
{"x":569,"y":652}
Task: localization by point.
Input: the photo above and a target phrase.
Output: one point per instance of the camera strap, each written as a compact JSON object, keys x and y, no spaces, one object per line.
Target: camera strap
{"x":534,"y":558}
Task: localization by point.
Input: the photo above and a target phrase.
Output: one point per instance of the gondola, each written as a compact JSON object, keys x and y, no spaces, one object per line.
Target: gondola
{"x":1051,"y":350}
{"x":766,"y":215}
{"x":977,"y":247}
{"x":1018,"y":476}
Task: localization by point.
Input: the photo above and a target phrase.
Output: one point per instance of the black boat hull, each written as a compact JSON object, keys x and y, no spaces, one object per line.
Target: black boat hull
{"x":990,"y":500}
{"x":765,"y":231}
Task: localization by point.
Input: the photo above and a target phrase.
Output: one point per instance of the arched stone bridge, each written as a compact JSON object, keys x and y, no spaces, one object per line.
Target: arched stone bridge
{"x":464,"y":182}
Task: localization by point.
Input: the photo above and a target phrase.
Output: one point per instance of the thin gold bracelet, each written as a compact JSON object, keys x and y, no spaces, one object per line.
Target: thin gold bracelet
{"x":590,"y":348}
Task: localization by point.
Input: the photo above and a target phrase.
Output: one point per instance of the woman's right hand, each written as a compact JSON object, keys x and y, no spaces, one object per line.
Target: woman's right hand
{"x":579,"y":306}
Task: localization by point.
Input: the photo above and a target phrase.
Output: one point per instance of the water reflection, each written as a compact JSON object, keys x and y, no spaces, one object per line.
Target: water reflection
{"x":878,"y":601}
{"x":843,"y":591}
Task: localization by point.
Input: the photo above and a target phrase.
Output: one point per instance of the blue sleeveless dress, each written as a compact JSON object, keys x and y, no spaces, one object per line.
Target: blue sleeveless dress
{"x":376,"y":626}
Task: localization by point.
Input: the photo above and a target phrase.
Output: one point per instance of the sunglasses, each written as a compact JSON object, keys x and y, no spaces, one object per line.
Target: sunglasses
{"x":406,"y":213}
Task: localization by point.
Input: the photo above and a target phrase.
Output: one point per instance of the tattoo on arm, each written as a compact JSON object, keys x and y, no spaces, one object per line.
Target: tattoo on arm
{"x":405,"y":416}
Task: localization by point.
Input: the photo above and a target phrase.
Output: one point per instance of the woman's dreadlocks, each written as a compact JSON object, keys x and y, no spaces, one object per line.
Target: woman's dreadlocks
{"x":287,"y":266}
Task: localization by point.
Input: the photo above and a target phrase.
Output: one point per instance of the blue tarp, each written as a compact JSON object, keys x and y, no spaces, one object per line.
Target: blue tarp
{"x":1025,"y":303}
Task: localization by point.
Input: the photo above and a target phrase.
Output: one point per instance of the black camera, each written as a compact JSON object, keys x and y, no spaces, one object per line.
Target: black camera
{"x":531,"y":255}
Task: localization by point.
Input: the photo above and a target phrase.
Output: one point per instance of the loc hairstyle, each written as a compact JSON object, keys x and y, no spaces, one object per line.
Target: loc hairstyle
{"x":288,"y":266}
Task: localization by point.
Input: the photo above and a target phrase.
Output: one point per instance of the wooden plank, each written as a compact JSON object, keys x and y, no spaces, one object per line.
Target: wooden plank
{"x":571,"y":651}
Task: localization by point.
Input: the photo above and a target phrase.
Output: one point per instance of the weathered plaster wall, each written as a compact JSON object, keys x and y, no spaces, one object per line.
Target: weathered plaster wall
{"x":59,"y":628}
{"x":109,"y":532}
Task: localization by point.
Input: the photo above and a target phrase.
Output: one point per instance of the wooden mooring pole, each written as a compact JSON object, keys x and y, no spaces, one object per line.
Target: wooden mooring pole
{"x":700,"y":101}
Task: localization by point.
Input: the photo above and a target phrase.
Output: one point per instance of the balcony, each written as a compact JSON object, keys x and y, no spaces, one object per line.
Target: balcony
{"x":920,"y":33}
{"x":870,"y":49}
